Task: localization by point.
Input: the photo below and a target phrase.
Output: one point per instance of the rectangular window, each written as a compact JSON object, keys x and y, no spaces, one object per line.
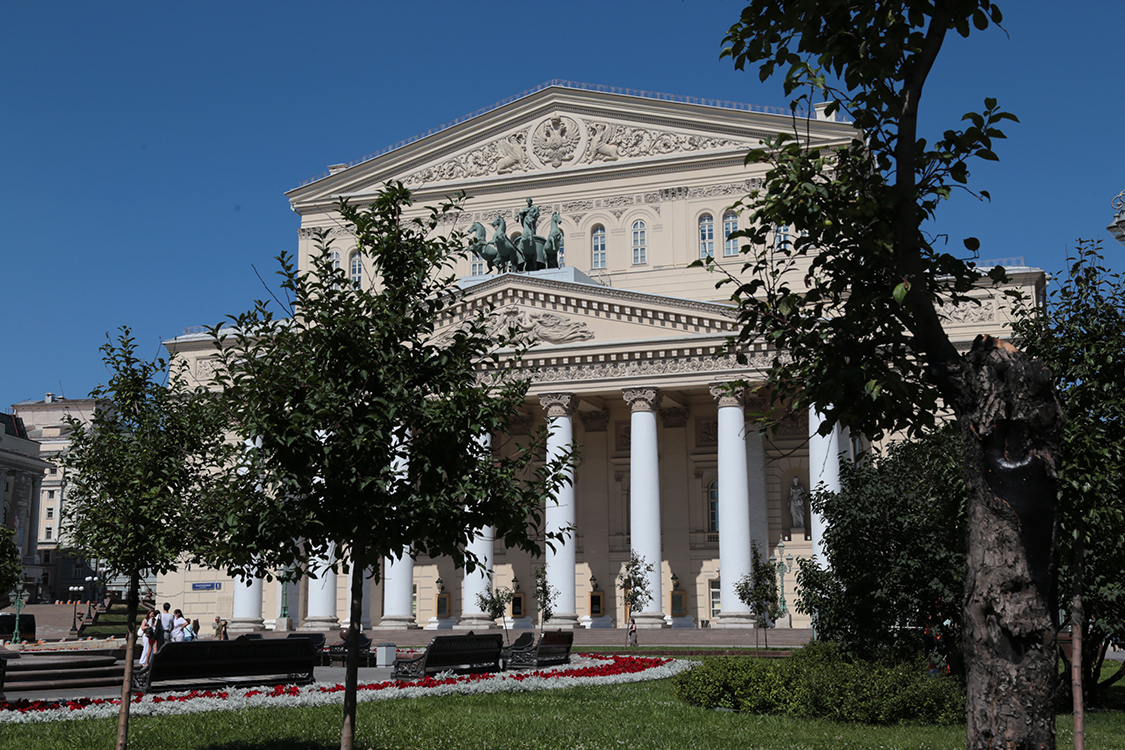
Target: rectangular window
{"x":50,"y":494}
{"x":48,"y":532}
{"x":716,"y":600}
{"x":50,"y":511}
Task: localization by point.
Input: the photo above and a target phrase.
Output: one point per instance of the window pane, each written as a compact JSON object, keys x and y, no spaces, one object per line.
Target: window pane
{"x":713,"y":506}
{"x":706,"y":236}
{"x":730,"y":225}
{"x":598,"y":246}
{"x":356,"y":266}
{"x":640,"y":251}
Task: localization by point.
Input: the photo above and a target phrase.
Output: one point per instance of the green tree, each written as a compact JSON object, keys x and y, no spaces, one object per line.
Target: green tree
{"x":633,"y":582}
{"x":363,"y":412}
{"x":857,"y":301}
{"x":140,"y":477}
{"x":10,"y":566}
{"x":1081,"y":336}
{"x":758,"y":590}
{"x":545,"y":596}
{"x":494,"y":602}
{"x":895,"y":548}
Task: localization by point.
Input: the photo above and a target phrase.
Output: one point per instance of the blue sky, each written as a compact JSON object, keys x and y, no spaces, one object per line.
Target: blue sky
{"x":145,"y":147}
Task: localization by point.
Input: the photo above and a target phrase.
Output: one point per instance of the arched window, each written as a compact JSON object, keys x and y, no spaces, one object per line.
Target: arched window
{"x":730,"y":226}
{"x":334,"y":257}
{"x":640,"y":249}
{"x":355,"y":268}
{"x":713,"y":506}
{"x":562,"y":254}
{"x":706,"y":236}
{"x":597,"y":245}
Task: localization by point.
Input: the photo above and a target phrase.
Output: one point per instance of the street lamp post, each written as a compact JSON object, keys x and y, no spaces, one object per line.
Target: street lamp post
{"x":75,"y":594}
{"x":92,"y":583}
{"x":21,"y":599}
{"x":783,"y":564}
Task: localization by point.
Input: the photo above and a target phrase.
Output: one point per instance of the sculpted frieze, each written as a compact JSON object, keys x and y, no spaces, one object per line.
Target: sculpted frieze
{"x":673,"y":365}
{"x":985,"y":312}
{"x":545,"y":326}
{"x":562,"y":140}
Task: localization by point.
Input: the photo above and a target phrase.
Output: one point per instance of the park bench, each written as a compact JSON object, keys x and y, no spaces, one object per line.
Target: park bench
{"x":553,"y":648}
{"x":181,"y":666}
{"x":462,"y":654}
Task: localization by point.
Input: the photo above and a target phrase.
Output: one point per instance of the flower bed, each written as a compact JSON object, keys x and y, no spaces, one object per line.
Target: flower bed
{"x":588,"y":669}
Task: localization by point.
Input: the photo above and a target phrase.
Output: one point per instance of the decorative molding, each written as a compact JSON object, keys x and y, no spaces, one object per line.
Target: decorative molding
{"x":308,"y":233}
{"x":520,"y":424}
{"x":558,"y":404}
{"x":205,"y":368}
{"x":642,"y":399}
{"x":623,"y":435}
{"x":668,"y":365}
{"x":674,"y":417}
{"x":706,"y":432}
{"x":795,"y":424}
{"x":594,"y":421}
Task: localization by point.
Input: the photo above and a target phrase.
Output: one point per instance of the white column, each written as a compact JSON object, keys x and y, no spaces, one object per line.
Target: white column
{"x":322,"y":595}
{"x":824,"y":469}
{"x":473,"y":617}
{"x":247,"y":607}
{"x":398,"y":594}
{"x":644,"y":497}
{"x":560,"y":514}
{"x":734,"y":507}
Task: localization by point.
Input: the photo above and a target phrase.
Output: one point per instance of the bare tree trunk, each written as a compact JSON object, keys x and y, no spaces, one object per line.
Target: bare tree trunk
{"x":351,"y":678}
{"x":1078,"y":629}
{"x":130,"y":648}
{"x":1012,"y":428}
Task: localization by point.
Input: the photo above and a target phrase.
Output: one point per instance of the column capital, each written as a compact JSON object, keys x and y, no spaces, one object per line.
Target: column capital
{"x":558,"y":404}
{"x":642,"y":399}
{"x":728,"y":397}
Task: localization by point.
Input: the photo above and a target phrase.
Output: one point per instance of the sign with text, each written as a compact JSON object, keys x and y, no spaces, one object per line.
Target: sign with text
{"x":214,"y":586}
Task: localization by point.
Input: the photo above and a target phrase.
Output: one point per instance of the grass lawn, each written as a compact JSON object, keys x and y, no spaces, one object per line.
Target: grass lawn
{"x":639,"y":715}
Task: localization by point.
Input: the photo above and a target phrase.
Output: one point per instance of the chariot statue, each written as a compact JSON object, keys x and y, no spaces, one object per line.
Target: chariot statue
{"x":528,"y":252}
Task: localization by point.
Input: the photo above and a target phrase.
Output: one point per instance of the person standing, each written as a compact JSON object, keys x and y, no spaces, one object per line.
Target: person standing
{"x":632,"y":632}
{"x":179,"y":622}
{"x":147,"y":632}
{"x":166,"y":621}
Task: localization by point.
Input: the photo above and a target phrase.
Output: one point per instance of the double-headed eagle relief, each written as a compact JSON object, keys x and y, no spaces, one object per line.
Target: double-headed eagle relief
{"x":525,"y":252}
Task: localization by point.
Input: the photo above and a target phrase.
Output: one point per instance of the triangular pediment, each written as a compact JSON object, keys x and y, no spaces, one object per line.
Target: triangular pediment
{"x":583,"y":314}
{"x":561,"y":132}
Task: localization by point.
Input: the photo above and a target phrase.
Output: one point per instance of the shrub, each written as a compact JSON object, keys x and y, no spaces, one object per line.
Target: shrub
{"x":818,"y":682}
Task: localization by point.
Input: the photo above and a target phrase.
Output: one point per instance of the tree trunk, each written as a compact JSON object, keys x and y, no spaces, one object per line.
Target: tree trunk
{"x":130,"y":649}
{"x":1012,"y":427}
{"x":351,"y":678}
{"x":1078,"y":629}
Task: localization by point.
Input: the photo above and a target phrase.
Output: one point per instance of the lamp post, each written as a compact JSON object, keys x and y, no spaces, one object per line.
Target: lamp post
{"x":75,"y":594}
{"x":21,"y":599}
{"x":92,"y":584}
{"x":783,"y":564}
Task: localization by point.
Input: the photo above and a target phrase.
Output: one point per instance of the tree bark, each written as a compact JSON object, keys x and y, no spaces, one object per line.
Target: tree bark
{"x":130,"y":649}
{"x":1078,"y":629}
{"x":351,"y":677}
{"x":1012,"y":429}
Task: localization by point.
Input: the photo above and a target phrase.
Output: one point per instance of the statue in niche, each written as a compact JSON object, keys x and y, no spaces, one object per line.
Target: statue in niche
{"x":797,"y":504}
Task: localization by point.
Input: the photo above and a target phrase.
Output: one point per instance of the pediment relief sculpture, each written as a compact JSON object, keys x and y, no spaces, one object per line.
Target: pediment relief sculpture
{"x":560,"y":140}
{"x":544,"y":326}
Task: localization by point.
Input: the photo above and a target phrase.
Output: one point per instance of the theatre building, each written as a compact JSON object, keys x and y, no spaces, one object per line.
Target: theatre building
{"x":629,"y":190}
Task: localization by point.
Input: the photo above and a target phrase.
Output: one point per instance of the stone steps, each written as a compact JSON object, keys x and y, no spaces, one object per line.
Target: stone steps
{"x":32,"y":672}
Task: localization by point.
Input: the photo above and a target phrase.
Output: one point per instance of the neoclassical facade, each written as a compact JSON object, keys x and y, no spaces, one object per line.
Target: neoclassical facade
{"x":628,"y":365}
